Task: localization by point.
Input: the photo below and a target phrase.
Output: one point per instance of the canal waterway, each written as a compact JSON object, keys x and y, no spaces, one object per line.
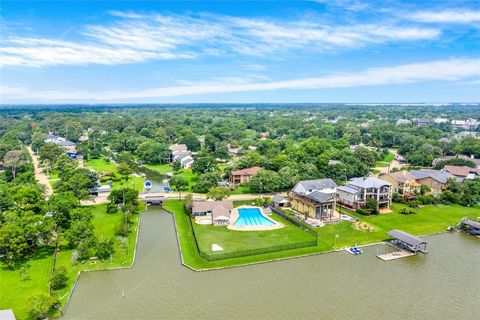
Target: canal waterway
{"x":444,"y":284}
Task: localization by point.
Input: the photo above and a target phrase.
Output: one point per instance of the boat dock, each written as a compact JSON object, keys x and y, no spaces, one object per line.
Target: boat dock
{"x":395,"y":255}
{"x":404,"y":244}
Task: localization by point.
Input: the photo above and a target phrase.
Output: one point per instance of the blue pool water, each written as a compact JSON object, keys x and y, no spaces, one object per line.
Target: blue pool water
{"x":251,"y":217}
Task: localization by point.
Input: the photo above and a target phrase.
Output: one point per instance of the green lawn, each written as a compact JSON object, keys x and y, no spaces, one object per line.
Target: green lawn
{"x":102,"y":165}
{"x":429,"y":220}
{"x":165,"y":168}
{"x":14,"y":292}
{"x":386,"y":161}
{"x":242,"y":189}
{"x":232,"y":241}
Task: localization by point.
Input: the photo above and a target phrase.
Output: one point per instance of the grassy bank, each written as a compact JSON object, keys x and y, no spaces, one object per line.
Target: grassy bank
{"x":386,"y":161}
{"x":165,"y":168}
{"x":102,"y":165}
{"x":429,"y":220}
{"x":14,"y":292}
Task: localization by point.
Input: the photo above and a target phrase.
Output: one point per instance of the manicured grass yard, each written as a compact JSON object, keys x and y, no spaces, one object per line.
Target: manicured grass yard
{"x":232,"y":241}
{"x":14,"y":293}
{"x":386,"y":161}
{"x":102,"y":165}
{"x":429,"y":220}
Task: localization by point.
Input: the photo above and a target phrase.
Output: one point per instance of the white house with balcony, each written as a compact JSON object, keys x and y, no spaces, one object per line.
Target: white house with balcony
{"x":358,"y":190}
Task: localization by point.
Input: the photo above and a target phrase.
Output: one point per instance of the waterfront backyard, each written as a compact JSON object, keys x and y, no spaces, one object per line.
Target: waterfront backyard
{"x":16,"y":288}
{"x":370,"y":229}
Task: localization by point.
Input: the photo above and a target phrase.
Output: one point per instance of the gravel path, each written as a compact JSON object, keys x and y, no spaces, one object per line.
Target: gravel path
{"x":39,"y":175}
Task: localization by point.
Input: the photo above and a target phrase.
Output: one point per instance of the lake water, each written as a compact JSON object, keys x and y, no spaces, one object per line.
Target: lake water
{"x":444,"y":284}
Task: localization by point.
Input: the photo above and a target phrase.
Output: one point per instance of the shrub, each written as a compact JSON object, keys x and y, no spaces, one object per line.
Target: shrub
{"x":59,"y":278}
{"x":105,"y":248}
{"x":414,"y":204}
{"x":397,"y":198}
{"x":363,"y":211}
{"x":40,"y":305}
{"x":122,"y":229}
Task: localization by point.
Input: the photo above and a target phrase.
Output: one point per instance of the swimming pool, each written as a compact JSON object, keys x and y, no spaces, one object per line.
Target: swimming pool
{"x":251,"y":217}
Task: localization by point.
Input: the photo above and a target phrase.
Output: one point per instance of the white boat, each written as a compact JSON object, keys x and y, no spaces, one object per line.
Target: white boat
{"x":354,"y":250}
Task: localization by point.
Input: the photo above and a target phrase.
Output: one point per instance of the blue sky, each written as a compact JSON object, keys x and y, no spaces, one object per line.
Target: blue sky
{"x":250,"y":51}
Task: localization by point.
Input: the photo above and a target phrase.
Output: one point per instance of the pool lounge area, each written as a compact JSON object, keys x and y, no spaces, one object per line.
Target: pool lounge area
{"x":250,"y":218}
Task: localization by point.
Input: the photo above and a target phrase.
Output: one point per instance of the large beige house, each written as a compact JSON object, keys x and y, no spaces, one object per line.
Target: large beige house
{"x":403,"y":182}
{"x":437,"y":180}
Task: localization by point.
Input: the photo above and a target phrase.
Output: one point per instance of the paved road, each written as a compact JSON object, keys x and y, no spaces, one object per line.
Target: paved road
{"x":39,"y":175}
{"x":199,"y":196}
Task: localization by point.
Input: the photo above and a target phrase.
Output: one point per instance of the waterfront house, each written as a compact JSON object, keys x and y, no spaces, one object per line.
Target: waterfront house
{"x":437,"y":180}
{"x":403,"y":182}
{"x":243,"y":175}
{"x":180,"y":152}
{"x":212,"y":212}
{"x":315,"y":198}
{"x":358,"y":190}
{"x":462,"y":172}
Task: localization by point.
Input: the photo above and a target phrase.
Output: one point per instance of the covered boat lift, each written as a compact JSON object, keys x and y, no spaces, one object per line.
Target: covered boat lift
{"x":470,"y":226}
{"x":408,"y":242}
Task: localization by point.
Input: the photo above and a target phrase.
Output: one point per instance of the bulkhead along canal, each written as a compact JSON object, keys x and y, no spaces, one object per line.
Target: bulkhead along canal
{"x":444,"y":284}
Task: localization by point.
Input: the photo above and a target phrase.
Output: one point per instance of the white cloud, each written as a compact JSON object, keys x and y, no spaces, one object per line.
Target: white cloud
{"x":135,"y":38}
{"x":441,"y":70}
{"x":461,"y":16}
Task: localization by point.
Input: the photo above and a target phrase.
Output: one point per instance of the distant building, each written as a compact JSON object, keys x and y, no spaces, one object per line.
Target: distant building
{"x":212,"y":212}
{"x":422,"y":122}
{"x":464,"y":157}
{"x":358,"y":190}
{"x":437,"y":180}
{"x":315,"y":198}
{"x":470,"y":124}
{"x":68,"y":145}
{"x":401,"y":122}
{"x":440,"y":120}
{"x":234,"y":152}
{"x":462,"y":172}
{"x":243,"y":175}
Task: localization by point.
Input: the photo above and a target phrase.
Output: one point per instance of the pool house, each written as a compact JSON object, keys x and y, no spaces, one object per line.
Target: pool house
{"x":212,"y":212}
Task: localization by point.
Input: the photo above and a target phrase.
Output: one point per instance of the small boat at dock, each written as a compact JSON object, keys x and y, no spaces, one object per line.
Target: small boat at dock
{"x":354,"y":250}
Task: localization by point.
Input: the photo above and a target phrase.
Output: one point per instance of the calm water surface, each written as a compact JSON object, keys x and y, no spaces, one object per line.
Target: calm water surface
{"x":445,"y":284}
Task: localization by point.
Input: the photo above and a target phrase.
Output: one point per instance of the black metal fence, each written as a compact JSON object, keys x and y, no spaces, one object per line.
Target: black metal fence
{"x":251,"y":252}
{"x":296,"y":222}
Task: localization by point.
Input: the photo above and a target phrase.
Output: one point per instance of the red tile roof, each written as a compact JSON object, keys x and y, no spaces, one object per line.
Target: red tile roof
{"x":246,"y":172}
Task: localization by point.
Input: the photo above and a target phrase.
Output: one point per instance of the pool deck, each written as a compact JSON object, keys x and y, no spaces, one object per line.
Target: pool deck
{"x":235,"y":215}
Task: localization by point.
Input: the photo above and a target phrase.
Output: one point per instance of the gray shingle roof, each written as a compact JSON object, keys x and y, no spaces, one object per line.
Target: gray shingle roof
{"x":279,"y":199}
{"x":318,"y":184}
{"x":438,"y":175}
{"x":320,"y":196}
{"x":406,"y":237}
{"x":368,"y":183}
{"x":347,"y":189}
